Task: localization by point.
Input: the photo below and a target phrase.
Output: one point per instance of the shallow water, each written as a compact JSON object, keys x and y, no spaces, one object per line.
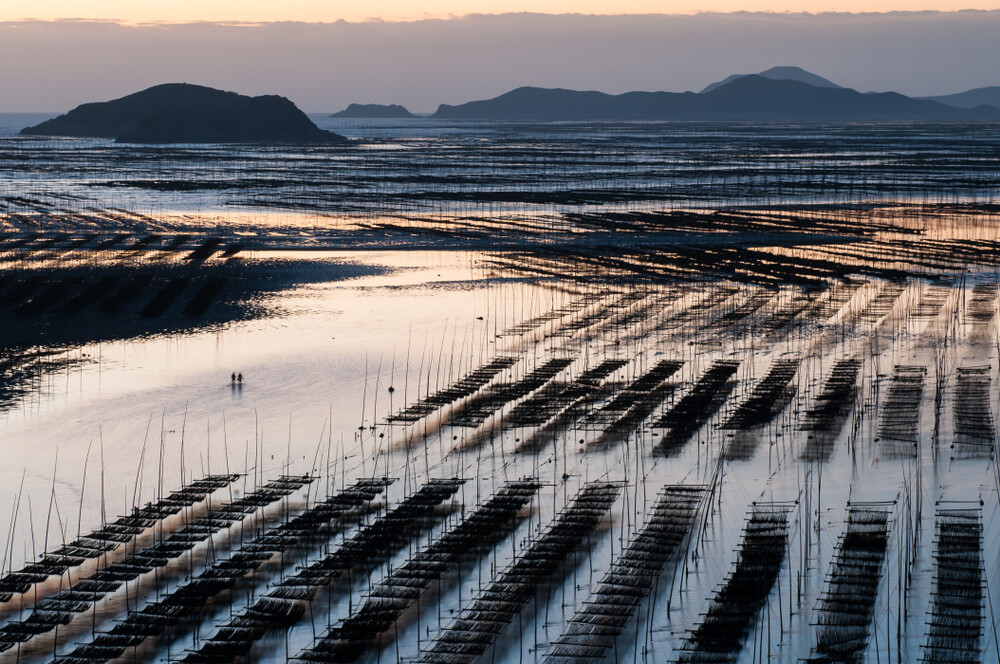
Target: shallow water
{"x":301,"y":364}
{"x":436,"y":170}
{"x":144,"y":414}
{"x":329,"y":352}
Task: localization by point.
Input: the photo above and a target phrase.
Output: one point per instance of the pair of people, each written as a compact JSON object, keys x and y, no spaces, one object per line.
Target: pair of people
{"x":236,"y":378}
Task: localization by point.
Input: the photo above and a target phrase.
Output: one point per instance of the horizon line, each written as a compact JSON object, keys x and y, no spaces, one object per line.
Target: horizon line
{"x":424,"y":114}
{"x":458,"y":17}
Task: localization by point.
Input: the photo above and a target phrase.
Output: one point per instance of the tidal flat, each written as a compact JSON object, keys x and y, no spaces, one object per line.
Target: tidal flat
{"x":503,"y":392}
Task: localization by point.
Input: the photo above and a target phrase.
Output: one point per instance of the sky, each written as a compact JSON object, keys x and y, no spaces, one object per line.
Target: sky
{"x":54,"y":65}
{"x":395,"y":10}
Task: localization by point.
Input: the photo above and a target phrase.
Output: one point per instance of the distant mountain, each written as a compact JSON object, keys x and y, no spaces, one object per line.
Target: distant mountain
{"x":748,"y":98}
{"x":757,"y":98}
{"x":970,"y":99}
{"x":185,"y":113}
{"x":374,"y":111}
{"x":779,"y":74}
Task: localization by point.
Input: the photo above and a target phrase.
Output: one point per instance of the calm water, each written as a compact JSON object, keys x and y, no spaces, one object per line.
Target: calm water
{"x":318,"y":361}
{"x":424,"y":168}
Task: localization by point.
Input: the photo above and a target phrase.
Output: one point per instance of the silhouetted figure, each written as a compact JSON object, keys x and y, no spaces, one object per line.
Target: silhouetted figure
{"x":232,"y":379}
{"x":239,"y":378}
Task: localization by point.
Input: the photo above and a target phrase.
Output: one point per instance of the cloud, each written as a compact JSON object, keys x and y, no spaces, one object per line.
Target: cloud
{"x":55,"y":65}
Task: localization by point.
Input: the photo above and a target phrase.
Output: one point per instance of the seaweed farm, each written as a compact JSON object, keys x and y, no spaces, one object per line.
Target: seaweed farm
{"x":459,"y":393}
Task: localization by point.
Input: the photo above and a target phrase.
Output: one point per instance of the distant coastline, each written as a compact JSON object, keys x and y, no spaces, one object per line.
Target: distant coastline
{"x":782,"y":94}
{"x":750,"y":98}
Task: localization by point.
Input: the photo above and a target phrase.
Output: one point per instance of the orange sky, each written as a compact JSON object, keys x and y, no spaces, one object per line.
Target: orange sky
{"x":324,"y":10}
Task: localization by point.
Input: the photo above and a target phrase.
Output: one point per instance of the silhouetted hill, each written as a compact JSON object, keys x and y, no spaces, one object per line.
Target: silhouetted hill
{"x":748,"y":98}
{"x":185,"y":113}
{"x":756,"y":98}
{"x":374,"y":111}
{"x":989,"y":96}
{"x":530,"y":103}
{"x":780,"y":74}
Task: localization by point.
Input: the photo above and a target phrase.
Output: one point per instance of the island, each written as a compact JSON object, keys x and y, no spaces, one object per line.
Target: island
{"x":186,"y":113}
{"x":744,"y":98}
{"x":374,"y":111}
{"x":988,"y":96}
